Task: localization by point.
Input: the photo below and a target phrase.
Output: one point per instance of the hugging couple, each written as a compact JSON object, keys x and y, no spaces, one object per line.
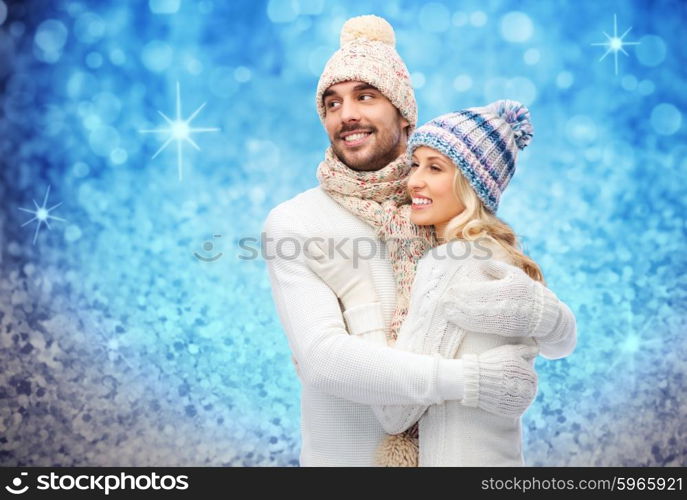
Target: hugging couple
{"x":411,"y":357}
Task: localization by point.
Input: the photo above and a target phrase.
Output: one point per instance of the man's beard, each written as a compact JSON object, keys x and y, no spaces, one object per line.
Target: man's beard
{"x":386,"y":150}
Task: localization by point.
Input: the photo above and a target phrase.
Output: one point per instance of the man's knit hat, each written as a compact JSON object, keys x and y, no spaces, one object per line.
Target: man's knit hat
{"x":368,"y":54}
{"x":482,"y":142}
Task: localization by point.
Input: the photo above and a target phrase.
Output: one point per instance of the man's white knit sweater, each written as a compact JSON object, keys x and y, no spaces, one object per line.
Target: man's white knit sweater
{"x":342,"y":375}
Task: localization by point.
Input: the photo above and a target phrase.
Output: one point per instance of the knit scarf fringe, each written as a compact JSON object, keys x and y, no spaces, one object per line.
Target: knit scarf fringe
{"x":380,"y":198}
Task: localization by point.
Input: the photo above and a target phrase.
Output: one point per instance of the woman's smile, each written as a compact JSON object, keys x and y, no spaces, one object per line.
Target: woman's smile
{"x":421,"y":202}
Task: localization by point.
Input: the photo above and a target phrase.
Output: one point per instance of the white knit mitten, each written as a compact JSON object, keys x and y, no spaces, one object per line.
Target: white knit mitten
{"x":501,"y":380}
{"x":497,"y":298}
{"x":557,"y":320}
{"x":346,"y":273}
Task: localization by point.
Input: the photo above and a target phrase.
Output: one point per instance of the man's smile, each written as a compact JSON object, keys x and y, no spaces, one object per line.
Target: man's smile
{"x":355,"y":138}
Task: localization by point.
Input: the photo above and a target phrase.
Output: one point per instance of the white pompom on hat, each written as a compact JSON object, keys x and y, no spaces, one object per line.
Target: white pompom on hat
{"x":368,"y":54}
{"x":370,"y":27}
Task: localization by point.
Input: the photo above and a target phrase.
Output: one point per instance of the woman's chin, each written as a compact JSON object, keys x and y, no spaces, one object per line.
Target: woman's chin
{"x":420,"y":220}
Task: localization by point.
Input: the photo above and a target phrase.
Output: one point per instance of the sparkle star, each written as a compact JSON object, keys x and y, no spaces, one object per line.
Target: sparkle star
{"x":41,"y":214}
{"x":179,"y":130}
{"x":615,"y":43}
{"x":635,"y":347}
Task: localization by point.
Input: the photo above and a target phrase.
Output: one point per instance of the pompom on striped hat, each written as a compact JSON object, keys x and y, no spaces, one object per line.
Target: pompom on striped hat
{"x":482,"y":142}
{"x":368,"y":54}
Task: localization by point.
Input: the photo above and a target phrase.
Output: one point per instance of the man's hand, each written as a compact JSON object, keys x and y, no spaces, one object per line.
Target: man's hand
{"x":347,"y":274}
{"x":501,"y":380}
{"x":495,"y":298}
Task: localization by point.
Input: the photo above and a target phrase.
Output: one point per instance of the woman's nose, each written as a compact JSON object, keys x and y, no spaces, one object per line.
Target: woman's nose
{"x":415,"y":180}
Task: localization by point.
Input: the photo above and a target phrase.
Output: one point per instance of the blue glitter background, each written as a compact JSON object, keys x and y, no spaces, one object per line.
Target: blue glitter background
{"x":119,"y":346}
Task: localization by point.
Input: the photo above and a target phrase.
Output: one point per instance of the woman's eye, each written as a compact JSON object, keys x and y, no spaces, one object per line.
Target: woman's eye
{"x":435,"y":168}
{"x":414,"y":165}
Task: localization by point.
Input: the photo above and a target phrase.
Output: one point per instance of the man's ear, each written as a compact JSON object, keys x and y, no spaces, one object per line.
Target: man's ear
{"x":405,"y":124}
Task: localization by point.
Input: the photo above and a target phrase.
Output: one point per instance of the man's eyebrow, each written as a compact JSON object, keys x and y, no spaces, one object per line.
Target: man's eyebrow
{"x":364,"y":86}
{"x":327,"y":93}
{"x":357,"y":88}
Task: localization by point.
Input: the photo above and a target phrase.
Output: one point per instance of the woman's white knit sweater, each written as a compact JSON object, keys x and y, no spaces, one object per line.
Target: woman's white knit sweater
{"x":459,"y":433}
{"x":342,"y":375}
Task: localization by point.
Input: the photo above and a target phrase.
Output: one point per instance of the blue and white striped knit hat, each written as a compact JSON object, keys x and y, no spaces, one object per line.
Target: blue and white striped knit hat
{"x":482,"y":142}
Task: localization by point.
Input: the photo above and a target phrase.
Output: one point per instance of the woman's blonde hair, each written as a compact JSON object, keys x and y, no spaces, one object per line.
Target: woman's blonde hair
{"x":477,"y":222}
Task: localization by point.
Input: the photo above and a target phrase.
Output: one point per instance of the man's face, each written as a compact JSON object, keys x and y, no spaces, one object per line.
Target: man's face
{"x":366,"y":131}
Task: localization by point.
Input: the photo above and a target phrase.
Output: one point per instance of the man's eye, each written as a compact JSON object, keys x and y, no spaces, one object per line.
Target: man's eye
{"x":331,"y":104}
{"x":366,"y":95}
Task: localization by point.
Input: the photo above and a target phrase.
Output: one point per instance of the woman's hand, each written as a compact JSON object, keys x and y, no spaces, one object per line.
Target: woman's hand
{"x":342,"y":268}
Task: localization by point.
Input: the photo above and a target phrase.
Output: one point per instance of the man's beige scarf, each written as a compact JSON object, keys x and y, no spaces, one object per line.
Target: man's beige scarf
{"x":381,"y":199}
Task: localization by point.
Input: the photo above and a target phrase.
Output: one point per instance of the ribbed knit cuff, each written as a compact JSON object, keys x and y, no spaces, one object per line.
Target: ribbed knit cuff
{"x":562,"y":341}
{"x":450,"y":379}
{"x":364,"y":318}
{"x":470,"y":380}
{"x":375,"y":336}
{"x":545,"y":330}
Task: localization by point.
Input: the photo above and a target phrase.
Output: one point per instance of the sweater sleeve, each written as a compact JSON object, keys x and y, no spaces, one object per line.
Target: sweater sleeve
{"x":329,"y":358}
{"x":397,"y":418}
{"x":561,"y":338}
{"x":511,"y":305}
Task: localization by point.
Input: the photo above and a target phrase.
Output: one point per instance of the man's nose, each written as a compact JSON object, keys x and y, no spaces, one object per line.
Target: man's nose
{"x":349,"y":110}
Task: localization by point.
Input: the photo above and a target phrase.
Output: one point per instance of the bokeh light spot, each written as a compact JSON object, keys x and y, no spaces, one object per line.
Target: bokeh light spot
{"x":516,"y":27}
{"x":164,"y":6}
{"x":629,"y":82}
{"x":418,"y":79}
{"x":478,"y":18}
{"x":532,"y":56}
{"x":89,"y":27}
{"x":462,"y":83}
{"x":460,"y":18}
{"x":49,"y":40}
{"x":103,"y":140}
{"x":564,"y":80}
{"x":242,"y":74}
{"x":157,"y":56}
{"x":72,"y":233}
{"x":581,"y":130}
{"x":118,"y":156}
{"x":3,"y":12}
{"x":94,"y":60}
{"x":282,"y":11}
{"x":646,"y":87}
{"x":666,"y":119}
{"x":80,"y":169}
{"x":117,"y":57}
{"x":651,"y":50}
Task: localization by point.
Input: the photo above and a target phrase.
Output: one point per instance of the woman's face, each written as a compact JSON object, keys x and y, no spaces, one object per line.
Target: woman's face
{"x":430,"y":184}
